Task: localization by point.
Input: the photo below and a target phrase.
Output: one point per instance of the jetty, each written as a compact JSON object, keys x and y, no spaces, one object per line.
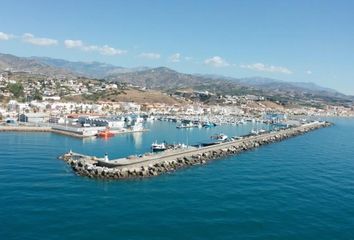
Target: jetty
{"x":68,"y":131}
{"x":148,"y":165}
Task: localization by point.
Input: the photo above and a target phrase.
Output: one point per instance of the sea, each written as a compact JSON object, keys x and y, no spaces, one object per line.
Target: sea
{"x":300,"y":188}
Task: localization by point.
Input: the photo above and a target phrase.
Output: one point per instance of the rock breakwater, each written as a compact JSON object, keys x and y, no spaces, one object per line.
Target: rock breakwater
{"x":93,"y":167}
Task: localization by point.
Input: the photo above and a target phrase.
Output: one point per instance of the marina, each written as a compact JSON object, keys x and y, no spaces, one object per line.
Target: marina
{"x":87,"y":126}
{"x":149,"y":164}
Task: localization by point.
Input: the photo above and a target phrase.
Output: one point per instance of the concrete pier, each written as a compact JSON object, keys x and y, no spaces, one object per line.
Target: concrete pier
{"x":155,"y":164}
{"x":20,"y":128}
{"x":24,"y":128}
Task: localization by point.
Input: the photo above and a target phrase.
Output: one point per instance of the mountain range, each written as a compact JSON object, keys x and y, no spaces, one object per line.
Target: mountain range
{"x":164,"y":78}
{"x":88,"y":69}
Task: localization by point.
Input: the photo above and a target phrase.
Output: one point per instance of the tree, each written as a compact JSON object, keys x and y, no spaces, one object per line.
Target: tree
{"x":37,"y":95}
{"x":16,"y":89}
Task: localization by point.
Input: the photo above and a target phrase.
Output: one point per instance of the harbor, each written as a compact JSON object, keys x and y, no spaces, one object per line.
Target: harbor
{"x":149,"y":164}
{"x":106,"y":126}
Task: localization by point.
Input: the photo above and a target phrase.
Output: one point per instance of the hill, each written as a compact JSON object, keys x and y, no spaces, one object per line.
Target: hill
{"x":127,"y":95}
{"x":20,"y":64}
{"x":159,"y":78}
{"x":87,"y":69}
{"x":165,"y":79}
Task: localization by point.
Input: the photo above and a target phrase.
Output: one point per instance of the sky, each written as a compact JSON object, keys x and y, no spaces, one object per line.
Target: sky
{"x":302,"y":41}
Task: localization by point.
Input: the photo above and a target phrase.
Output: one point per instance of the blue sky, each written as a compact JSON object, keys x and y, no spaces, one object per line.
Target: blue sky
{"x":289,"y":40}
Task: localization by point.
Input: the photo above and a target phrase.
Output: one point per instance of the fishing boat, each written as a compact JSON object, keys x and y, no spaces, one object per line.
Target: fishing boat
{"x":105,"y":133}
{"x":158,"y":147}
{"x":220,"y":137}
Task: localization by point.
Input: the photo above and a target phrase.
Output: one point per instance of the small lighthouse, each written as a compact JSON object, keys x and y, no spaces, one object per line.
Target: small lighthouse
{"x":106,"y":157}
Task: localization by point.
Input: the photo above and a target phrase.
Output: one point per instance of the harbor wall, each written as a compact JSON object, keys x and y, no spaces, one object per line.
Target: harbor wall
{"x":62,"y":129}
{"x":24,"y":129}
{"x":21,"y":128}
{"x":92,"y":167}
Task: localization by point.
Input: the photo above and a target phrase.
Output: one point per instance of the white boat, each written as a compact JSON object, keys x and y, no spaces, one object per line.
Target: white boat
{"x":220,"y":137}
{"x":157,"y":147}
{"x":254,"y":132}
{"x":188,"y":125}
{"x":137,"y":127}
{"x":139,"y":120}
{"x":237,"y":137}
{"x":150,"y":119}
{"x":180,"y":146}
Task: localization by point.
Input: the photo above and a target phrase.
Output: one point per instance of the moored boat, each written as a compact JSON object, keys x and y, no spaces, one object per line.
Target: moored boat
{"x":220,"y":137}
{"x":158,"y":147}
{"x":105,"y":133}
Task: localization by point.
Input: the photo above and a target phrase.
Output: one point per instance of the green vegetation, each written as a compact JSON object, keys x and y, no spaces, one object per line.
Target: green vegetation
{"x":37,"y":95}
{"x":16,"y":89}
{"x":93,"y":97}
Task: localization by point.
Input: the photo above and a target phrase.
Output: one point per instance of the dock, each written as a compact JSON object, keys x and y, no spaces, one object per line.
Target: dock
{"x":149,"y":165}
{"x":56,"y":130}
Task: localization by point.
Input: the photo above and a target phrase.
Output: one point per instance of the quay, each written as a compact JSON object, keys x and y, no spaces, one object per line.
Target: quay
{"x":148,"y":165}
{"x":57,"y":130}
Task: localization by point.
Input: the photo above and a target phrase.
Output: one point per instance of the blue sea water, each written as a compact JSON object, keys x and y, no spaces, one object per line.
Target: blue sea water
{"x":301,"y":188}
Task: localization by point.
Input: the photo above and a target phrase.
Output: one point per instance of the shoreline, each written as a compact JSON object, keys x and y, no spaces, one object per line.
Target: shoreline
{"x":148,"y":166}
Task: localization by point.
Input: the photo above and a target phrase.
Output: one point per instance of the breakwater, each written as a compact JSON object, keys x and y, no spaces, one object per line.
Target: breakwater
{"x":152,"y":165}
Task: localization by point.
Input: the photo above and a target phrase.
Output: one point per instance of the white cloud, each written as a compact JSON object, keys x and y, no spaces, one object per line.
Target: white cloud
{"x":175,"y":58}
{"x":267,"y":68}
{"x":5,"y":36}
{"x":309,"y":72}
{"x":107,"y":50}
{"x":151,"y":56}
{"x":30,"y":38}
{"x":104,"y":50}
{"x":216,"y":61}
{"x":73,"y":43}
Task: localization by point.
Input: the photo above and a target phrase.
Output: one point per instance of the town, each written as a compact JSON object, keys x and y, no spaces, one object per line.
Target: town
{"x":80,"y":105}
